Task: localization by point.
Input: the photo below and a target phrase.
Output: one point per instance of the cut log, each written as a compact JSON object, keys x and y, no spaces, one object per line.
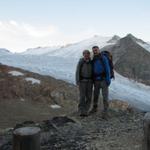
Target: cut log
{"x":26,"y":138}
{"x":146,"y":142}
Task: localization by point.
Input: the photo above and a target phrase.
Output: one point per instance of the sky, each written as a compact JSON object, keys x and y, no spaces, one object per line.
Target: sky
{"x":31,"y":23}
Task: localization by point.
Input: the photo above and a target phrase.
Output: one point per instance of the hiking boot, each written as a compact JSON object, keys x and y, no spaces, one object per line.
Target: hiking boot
{"x":105,"y":115}
{"x":94,"y":110}
{"x":83,"y":114}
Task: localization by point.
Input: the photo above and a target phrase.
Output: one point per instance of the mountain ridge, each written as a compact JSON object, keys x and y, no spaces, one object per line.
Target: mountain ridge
{"x":4,"y":51}
{"x":131,"y":59}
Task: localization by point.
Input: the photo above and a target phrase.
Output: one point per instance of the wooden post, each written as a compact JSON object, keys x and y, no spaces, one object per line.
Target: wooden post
{"x":26,"y":138}
{"x":146,"y":142}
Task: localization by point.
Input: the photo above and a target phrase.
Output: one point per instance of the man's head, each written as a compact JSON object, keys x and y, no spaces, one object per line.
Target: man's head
{"x":95,"y":50}
{"x":86,"y":54}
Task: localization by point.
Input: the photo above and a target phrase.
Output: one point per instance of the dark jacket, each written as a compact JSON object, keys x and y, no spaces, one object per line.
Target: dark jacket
{"x":101,"y":63}
{"x":83,"y":70}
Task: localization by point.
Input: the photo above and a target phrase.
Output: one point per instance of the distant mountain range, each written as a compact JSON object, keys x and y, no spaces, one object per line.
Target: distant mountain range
{"x":131,"y":55}
{"x":70,"y":50}
{"x":4,"y":51}
{"x":39,"y":50}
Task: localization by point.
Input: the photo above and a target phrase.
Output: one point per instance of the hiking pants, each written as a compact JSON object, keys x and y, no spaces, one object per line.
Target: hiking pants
{"x":85,"y":89}
{"x":101,"y":85}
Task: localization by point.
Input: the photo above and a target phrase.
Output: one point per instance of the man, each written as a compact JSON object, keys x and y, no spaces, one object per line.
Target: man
{"x":101,"y":76}
{"x":84,"y":81}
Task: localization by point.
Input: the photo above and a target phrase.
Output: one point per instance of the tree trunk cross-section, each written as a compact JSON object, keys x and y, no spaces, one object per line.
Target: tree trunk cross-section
{"x":146,"y":143}
{"x":26,"y":138}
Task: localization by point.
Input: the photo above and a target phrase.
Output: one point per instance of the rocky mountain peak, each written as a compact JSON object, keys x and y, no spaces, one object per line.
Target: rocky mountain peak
{"x":114,"y":39}
{"x":127,"y":41}
{"x":130,"y":40}
{"x":130,"y":36}
{"x":131,"y":59}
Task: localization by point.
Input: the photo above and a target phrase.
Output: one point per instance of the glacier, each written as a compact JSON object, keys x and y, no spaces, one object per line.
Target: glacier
{"x":61,"y":62}
{"x":137,"y":94}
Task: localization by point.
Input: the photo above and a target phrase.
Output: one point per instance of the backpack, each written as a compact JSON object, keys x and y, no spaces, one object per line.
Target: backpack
{"x":108,"y":55}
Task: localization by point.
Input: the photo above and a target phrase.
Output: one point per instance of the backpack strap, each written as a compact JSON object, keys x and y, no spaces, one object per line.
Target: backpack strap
{"x":102,"y":60}
{"x":81,"y":65}
{"x":110,"y":59}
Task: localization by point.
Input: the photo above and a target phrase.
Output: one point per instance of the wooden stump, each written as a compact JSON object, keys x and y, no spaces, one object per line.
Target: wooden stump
{"x":146,"y":142}
{"x":26,"y":138}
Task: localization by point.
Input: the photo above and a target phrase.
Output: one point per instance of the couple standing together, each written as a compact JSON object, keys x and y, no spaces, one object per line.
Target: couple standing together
{"x":93,"y":72}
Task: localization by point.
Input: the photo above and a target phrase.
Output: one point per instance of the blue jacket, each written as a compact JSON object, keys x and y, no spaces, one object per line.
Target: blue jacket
{"x":101,"y":68}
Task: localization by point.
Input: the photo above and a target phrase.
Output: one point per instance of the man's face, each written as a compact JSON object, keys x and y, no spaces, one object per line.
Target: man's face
{"x":96,"y":51}
{"x":86,"y":56}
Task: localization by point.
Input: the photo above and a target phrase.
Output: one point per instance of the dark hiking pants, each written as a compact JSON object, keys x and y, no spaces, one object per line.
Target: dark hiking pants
{"x":100,"y":85}
{"x":85,"y":89}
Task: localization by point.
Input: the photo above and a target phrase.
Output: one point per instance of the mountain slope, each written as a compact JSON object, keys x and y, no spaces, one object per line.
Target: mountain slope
{"x":75,"y":50}
{"x":26,"y":95}
{"x":39,"y":50}
{"x":4,"y":51}
{"x":71,"y":50}
{"x":114,"y":39}
{"x":145,"y":46}
{"x":131,"y":59}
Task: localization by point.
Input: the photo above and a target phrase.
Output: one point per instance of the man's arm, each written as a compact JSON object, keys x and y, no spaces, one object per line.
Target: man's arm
{"x":78,"y":72}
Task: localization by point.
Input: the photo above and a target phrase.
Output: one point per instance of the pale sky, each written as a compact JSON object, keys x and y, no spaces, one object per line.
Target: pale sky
{"x":32,"y":23}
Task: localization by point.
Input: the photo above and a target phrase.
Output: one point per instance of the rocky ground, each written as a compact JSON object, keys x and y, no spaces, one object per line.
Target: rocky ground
{"x":23,"y":103}
{"x":22,"y":100}
{"x":121,"y":131}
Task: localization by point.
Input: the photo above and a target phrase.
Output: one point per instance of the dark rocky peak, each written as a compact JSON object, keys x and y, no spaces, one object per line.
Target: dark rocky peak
{"x":129,"y":41}
{"x":130,"y":36}
{"x":114,"y":39}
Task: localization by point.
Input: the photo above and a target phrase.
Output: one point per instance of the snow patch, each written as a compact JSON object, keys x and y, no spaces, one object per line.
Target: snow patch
{"x":22,"y":99}
{"x":25,"y":131}
{"x":70,"y":50}
{"x":33,"y":80}
{"x":55,"y":106}
{"x":16,"y":73}
{"x":39,"y":50}
{"x":145,"y":46}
